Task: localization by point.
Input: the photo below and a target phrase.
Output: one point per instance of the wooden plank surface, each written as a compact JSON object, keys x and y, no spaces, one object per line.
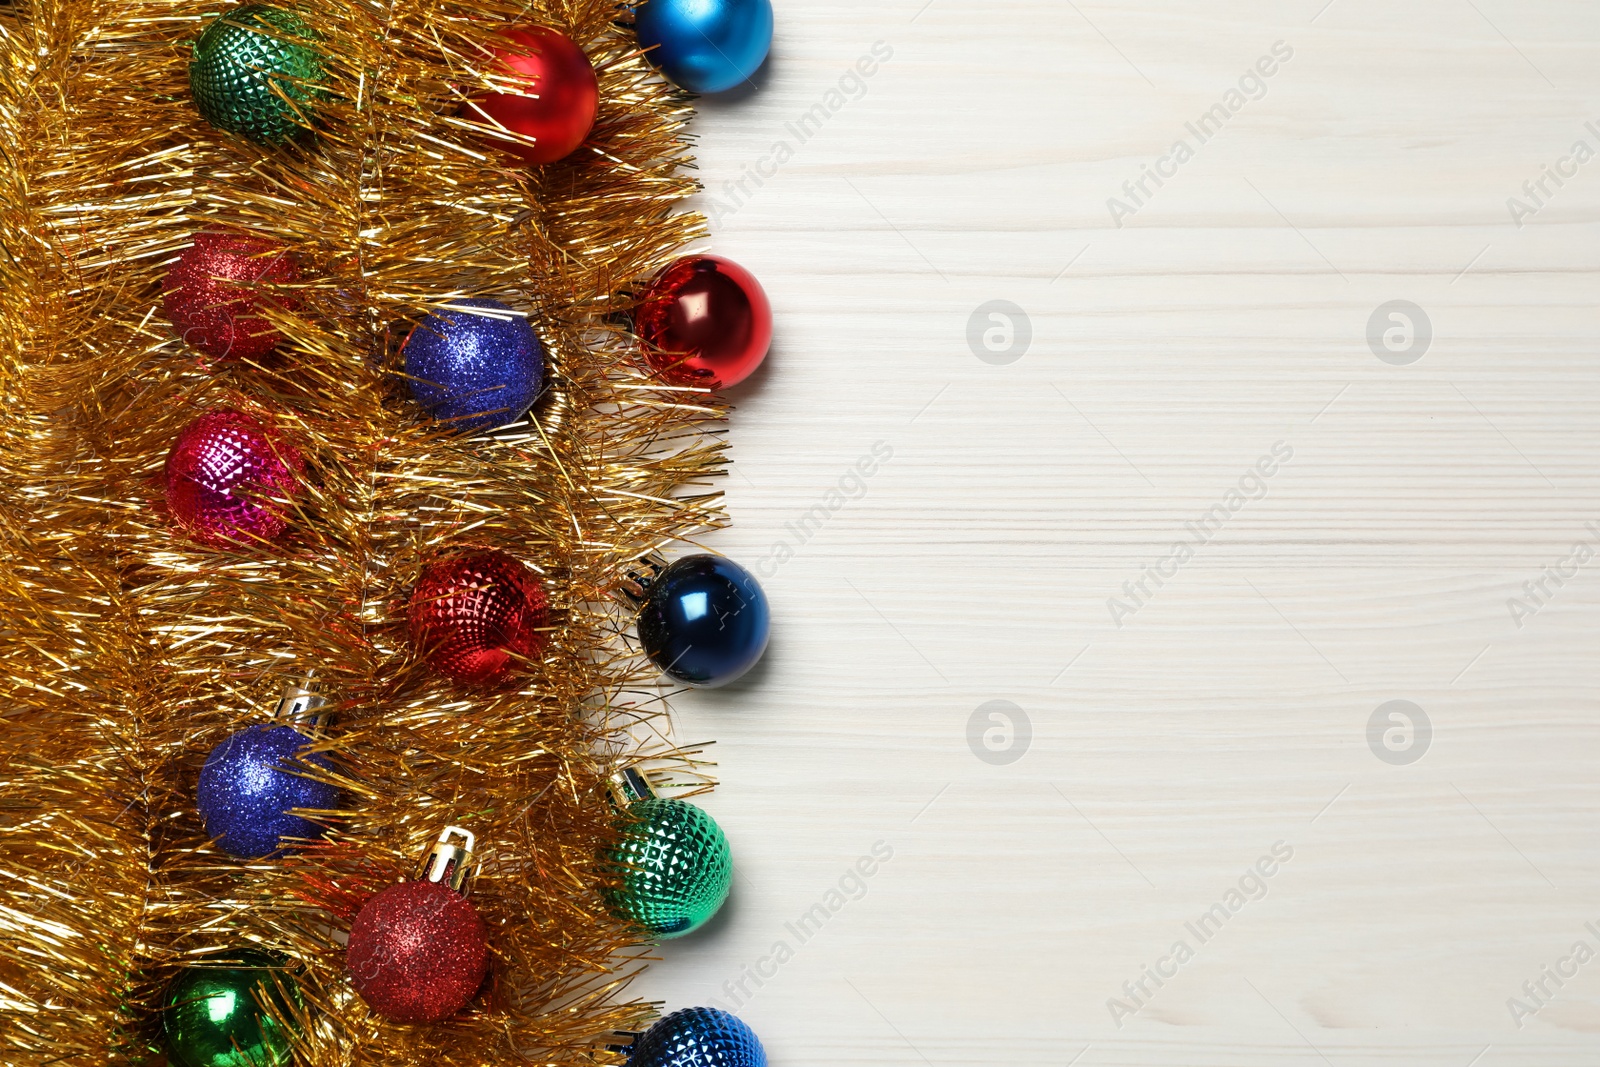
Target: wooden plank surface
{"x":1174,"y":744}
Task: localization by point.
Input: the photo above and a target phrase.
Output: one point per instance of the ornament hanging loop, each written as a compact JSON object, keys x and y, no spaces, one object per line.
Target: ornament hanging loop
{"x":628,"y":786}
{"x":300,"y":706}
{"x":623,"y":1041}
{"x":634,"y":588}
{"x":450,"y":861}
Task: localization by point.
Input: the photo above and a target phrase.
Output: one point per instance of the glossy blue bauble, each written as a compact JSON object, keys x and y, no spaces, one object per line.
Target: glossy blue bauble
{"x":706,"y":46}
{"x":705,"y":621}
{"x":699,"y":1037}
{"x":248,"y":786}
{"x":475,"y":370}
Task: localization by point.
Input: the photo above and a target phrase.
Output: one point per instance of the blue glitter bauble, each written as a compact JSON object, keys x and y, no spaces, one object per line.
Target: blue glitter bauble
{"x":706,"y":46}
{"x":699,"y":1037}
{"x":249,"y":784}
{"x":475,"y":371}
{"x":705,"y":621}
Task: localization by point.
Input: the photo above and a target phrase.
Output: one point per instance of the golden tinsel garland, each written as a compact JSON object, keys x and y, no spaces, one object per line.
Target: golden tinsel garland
{"x":128,"y":652}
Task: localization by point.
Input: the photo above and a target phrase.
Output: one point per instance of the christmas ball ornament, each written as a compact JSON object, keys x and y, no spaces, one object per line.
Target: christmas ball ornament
{"x":706,"y":46}
{"x":554,"y":94}
{"x":230,"y":478}
{"x":703,"y":619}
{"x":418,"y":950}
{"x":705,"y":321}
{"x":250,"y":783}
{"x":210,"y":296}
{"x":213,"y":1015}
{"x":475,"y":364}
{"x":473,"y":613}
{"x":255,"y":71}
{"x":673,"y":859}
{"x":698,"y":1037}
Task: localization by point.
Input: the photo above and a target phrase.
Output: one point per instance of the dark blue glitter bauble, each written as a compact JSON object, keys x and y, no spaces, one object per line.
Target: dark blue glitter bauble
{"x":699,"y":1037}
{"x":472,"y":370}
{"x":248,"y":786}
{"x":705,"y":621}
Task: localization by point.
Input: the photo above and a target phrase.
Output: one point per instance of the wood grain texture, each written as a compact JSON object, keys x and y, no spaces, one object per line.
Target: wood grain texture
{"x":1169,"y":354}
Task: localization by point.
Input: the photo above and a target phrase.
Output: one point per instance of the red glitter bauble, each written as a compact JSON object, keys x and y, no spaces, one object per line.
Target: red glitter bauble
{"x":705,"y":321}
{"x":562,"y":94}
{"x":229,"y":478}
{"x":472,"y":613}
{"x":418,"y":952}
{"x":211,"y":299}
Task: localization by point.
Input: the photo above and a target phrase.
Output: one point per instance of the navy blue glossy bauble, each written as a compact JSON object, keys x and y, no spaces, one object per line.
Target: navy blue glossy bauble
{"x":706,"y":46}
{"x":475,"y":369}
{"x":699,"y":1037}
{"x":249,"y":784}
{"x":705,"y":621}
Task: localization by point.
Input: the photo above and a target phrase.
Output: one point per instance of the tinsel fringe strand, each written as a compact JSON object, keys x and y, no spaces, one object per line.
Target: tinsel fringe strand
{"x":128,"y":652}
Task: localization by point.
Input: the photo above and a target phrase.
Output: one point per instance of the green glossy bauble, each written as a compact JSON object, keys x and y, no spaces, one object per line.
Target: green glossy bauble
{"x":238,"y":60}
{"x":675,"y":867}
{"x":213,"y":1014}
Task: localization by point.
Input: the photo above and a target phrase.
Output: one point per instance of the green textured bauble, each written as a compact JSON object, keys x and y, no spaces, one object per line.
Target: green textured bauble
{"x":238,"y":60}
{"x":675,"y":867}
{"x":214,"y":1018}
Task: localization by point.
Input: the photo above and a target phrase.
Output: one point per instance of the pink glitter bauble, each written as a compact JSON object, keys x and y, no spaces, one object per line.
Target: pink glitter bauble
{"x":211,"y":297}
{"x":230,"y":479}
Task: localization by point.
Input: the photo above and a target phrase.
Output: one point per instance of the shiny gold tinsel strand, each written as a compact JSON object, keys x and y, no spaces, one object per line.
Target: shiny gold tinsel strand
{"x":129,"y":653}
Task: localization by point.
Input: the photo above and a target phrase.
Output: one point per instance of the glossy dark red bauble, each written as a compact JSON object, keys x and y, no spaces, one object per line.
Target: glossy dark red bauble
{"x":705,"y":321}
{"x":474,"y":613}
{"x":230,"y":478}
{"x":554,"y":94}
{"x":212,"y":294}
{"x":418,"y":952}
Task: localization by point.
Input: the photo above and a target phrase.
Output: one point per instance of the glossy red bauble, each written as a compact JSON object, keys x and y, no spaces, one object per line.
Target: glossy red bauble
{"x":705,"y":321}
{"x":554,"y":94}
{"x":230,"y":478}
{"x":418,"y":952}
{"x":473,"y":613}
{"x":212,"y":294}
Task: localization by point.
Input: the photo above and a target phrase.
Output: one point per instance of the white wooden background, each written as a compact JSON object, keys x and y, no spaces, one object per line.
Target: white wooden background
{"x":1168,"y":355}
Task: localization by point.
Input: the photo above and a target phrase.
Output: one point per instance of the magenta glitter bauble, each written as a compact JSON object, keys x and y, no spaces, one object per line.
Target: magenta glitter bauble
{"x":231,"y":479}
{"x":211,"y":299}
{"x":418,"y":952}
{"x":473,"y":613}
